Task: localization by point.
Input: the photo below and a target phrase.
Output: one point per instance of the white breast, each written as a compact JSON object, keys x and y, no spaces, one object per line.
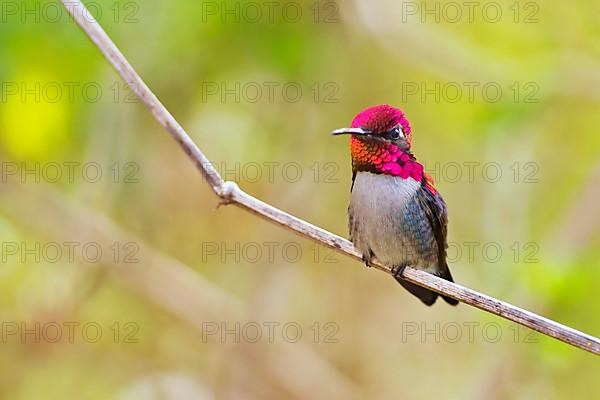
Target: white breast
{"x":377,"y":194}
{"x":376,"y":207}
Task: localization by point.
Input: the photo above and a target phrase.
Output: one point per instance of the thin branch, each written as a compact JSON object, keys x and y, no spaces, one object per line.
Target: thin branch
{"x":230,"y":193}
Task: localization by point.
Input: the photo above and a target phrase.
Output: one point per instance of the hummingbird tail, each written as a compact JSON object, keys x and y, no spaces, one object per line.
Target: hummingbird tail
{"x":445,"y":274}
{"x":425,"y":295}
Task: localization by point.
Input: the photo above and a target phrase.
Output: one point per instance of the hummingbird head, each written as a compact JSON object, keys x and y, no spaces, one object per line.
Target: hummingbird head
{"x":381,"y":142}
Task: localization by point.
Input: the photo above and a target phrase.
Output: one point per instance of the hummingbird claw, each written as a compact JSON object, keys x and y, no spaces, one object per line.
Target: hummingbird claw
{"x":367,"y":262}
{"x":398,"y":270}
{"x":367,"y":258}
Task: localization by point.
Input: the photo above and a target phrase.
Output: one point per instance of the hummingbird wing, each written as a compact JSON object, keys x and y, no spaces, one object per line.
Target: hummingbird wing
{"x":436,"y":211}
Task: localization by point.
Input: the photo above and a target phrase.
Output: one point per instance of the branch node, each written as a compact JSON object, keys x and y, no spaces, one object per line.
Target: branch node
{"x":226,"y":192}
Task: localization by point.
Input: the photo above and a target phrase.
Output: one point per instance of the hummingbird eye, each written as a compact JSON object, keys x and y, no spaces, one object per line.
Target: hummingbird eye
{"x":396,"y":133}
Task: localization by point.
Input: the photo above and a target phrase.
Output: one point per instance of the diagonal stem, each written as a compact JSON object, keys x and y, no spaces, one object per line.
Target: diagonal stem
{"x":230,"y":193}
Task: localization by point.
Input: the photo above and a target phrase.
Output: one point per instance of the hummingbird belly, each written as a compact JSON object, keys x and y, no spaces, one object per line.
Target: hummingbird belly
{"x":387,"y":219}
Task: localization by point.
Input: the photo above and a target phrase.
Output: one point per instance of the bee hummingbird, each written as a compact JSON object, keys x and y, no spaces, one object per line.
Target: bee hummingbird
{"x":396,"y":214}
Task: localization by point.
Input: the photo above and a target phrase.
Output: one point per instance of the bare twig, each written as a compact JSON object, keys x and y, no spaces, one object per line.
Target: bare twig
{"x":230,"y":193}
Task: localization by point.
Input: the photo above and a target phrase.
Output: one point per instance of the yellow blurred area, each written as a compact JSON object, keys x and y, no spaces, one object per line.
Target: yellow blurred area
{"x":32,"y":128}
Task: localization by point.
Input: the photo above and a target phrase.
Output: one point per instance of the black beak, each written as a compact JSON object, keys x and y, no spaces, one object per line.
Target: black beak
{"x":351,"y":131}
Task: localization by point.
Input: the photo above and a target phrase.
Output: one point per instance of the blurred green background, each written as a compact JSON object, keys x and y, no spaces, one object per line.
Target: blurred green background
{"x":504,"y":111}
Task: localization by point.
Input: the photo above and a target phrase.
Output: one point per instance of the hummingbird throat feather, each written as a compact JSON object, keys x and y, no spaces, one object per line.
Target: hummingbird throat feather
{"x":384,"y":158}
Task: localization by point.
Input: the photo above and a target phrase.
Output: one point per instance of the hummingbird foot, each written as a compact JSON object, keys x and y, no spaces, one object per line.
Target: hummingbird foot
{"x":397,"y":271}
{"x":367,"y":258}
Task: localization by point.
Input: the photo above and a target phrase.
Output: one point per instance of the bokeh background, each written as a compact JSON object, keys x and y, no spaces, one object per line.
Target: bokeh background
{"x":516,"y":158}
